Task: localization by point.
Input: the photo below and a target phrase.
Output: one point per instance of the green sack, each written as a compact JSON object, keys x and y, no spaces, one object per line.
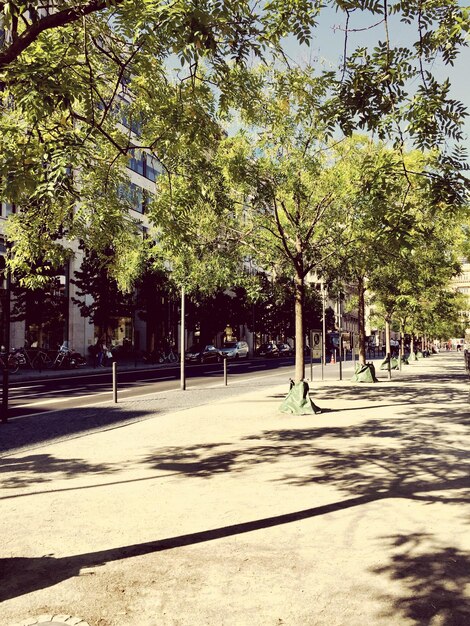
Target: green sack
{"x":298,"y":402}
{"x":364,"y":373}
{"x":393,"y":364}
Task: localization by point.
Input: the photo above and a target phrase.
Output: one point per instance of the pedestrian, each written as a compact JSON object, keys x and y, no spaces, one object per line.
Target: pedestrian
{"x":100,"y":352}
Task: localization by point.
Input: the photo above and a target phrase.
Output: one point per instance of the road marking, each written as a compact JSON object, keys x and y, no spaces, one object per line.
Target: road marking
{"x":25,"y":387}
{"x":57,"y":400}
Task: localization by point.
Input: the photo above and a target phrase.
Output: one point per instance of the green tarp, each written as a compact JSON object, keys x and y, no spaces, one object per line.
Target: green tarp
{"x":364,"y":373}
{"x":393,"y":364}
{"x":298,"y":402}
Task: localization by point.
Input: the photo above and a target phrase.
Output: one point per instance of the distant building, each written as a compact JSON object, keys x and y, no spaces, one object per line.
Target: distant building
{"x":461,"y":283}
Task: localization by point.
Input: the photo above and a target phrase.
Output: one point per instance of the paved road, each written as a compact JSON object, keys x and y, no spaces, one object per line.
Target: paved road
{"x":32,"y":393}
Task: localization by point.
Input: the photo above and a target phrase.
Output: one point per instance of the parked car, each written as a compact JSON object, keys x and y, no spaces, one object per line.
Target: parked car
{"x":235,"y":350}
{"x":202,"y":353}
{"x":268,"y":349}
{"x":285,"y":349}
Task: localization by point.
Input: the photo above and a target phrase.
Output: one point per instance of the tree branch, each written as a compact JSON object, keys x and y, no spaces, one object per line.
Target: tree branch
{"x":48,"y":22}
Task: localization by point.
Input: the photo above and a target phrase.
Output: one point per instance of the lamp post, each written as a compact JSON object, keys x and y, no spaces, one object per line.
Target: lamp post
{"x":340,"y":339}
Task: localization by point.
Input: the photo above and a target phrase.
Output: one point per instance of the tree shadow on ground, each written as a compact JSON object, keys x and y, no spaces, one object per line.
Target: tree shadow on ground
{"x":433,"y":578}
{"x":44,"y":468}
{"x":53,"y":426}
{"x":415,"y":457}
{"x":391,"y":390}
{"x":398,"y":456}
{"x":25,"y":575}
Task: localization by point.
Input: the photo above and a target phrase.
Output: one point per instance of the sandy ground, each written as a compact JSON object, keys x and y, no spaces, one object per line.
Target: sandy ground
{"x":234,"y":514}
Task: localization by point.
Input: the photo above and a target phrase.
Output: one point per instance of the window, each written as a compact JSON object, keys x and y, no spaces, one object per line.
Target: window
{"x":152,"y":168}
{"x":135,"y":197}
{"x":144,"y":164}
{"x":7,"y":209}
{"x":137,"y":161}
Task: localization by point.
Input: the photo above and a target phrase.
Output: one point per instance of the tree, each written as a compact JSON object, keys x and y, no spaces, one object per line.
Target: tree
{"x":71,"y":72}
{"x":287,"y":188}
{"x":412,"y":286}
{"x":398,"y":216}
{"x":108,"y":303}
{"x":44,"y":310}
{"x":210,"y":313}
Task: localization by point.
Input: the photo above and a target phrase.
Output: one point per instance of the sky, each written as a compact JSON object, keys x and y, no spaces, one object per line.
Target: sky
{"x":328,"y":45}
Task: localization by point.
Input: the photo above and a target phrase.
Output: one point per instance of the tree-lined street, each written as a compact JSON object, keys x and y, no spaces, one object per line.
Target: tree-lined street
{"x":150,"y":509}
{"x":35,"y":394}
{"x":197,"y":179}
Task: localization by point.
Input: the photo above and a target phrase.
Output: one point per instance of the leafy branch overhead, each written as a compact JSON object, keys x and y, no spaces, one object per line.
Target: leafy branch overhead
{"x":83,"y":83}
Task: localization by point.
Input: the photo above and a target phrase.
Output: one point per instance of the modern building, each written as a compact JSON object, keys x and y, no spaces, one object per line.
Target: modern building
{"x":461,"y":283}
{"x":49,"y":319}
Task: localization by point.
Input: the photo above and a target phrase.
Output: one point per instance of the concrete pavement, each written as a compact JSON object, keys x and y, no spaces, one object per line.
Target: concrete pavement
{"x":231,"y":513}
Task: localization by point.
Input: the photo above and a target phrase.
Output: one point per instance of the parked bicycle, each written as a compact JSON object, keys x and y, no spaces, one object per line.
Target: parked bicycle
{"x":33,"y":358}
{"x":10,"y":361}
{"x":159,"y":356}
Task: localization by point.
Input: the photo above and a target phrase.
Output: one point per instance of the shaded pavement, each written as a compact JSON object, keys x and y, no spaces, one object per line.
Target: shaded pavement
{"x":231,"y":513}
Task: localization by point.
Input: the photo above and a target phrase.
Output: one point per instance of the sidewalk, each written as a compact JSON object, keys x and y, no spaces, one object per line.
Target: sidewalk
{"x":232,"y":514}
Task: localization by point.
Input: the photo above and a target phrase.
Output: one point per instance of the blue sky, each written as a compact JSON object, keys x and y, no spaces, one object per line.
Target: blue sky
{"x":328,"y":44}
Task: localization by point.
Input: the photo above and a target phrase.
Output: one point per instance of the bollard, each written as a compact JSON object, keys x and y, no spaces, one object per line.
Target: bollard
{"x":115,"y":381}
{"x":225,"y":371}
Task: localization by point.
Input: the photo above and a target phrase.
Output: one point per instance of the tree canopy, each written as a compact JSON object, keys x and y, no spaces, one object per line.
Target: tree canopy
{"x":85,"y":84}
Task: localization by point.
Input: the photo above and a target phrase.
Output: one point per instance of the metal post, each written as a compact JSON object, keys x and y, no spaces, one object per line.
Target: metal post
{"x":311,"y":355}
{"x":182,"y":342}
{"x":340,"y":341}
{"x":5,"y":394}
{"x":6,"y":337}
{"x":323,"y":341}
{"x":115,"y":381}
{"x":387,"y":346}
{"x":225,"y":370}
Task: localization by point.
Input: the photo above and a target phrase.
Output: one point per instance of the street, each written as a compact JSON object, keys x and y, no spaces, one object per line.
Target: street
{"x":76,"y":388}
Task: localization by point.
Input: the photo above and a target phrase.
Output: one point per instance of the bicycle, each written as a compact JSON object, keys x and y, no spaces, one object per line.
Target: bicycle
{"x":12,"y":362}
{"x":40,"y":360}
{"x":171,"y":357}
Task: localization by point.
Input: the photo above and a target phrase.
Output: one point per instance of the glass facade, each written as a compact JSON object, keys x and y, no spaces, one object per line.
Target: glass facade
{"x":144,"y":164}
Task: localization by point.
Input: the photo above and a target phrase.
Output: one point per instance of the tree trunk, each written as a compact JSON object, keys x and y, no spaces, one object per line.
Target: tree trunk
{"x":361,"y":322}
{"x":299,"y":329}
